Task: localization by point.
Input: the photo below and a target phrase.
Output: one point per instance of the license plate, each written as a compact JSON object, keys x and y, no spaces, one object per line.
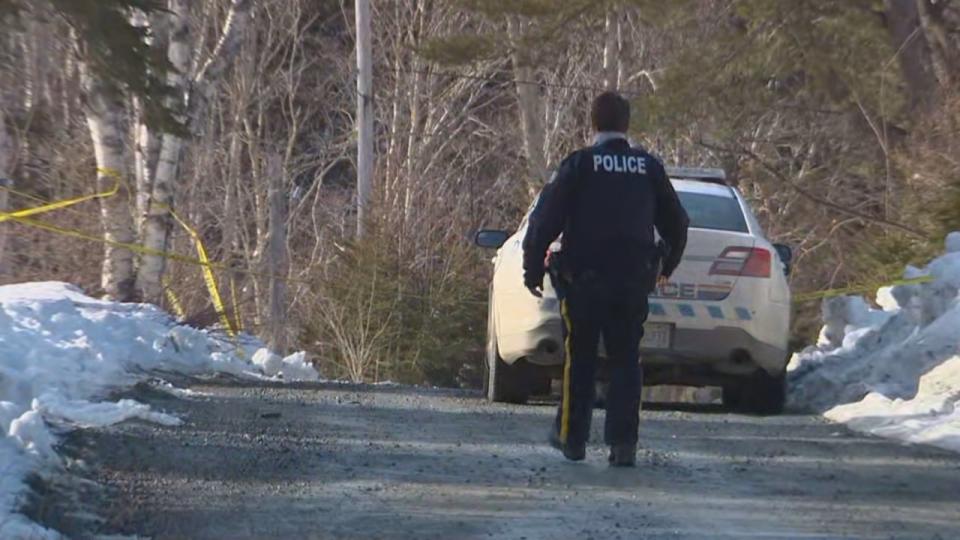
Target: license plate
{"x":656,"y":336}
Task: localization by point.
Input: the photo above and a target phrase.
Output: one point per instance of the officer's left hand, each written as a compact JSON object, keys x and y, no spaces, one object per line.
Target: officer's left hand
{"x":535,"y":290}
{"x":662,"y":281}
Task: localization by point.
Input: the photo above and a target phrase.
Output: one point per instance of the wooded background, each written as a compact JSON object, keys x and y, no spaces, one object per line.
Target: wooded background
{"x":837,"y":119}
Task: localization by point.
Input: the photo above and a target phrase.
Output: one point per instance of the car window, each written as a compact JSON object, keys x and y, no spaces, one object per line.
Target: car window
{"x":713,"y":212}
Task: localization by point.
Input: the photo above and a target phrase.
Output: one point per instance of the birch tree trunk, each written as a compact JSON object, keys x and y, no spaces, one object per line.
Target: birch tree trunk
{"x":146,"y":143}
{"x":611,"y":51}
{"x":103,"y":107}
{"x":158,"y":222}
{"x":146,"y":154}
{"x":531,"y":114}
{"x":364,"y":115}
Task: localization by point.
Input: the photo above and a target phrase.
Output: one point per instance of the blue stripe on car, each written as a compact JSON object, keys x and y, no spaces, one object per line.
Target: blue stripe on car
{"x":686,"y":310}
{"x":715,"y":296}
{"x":657,"y":309}
{"x":744,"y":314}
{"x":715,"y":312}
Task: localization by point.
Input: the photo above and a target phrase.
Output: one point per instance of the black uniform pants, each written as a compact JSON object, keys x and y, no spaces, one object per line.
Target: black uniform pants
{"x":591,"y":309}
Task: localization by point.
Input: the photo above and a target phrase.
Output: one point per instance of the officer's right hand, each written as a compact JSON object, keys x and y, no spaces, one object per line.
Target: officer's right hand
{"x":662,"y":281}
{"x":534,"y":284}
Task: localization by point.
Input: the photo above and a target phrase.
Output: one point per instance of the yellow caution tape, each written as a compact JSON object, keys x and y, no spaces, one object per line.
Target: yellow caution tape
{"x":136,"y":248}
{"x":23,"y":216}
{"x":857,"y":289}
{"x":208,"y":277}
{"x":27,"y":212}
{"x":207,"y":266}
{"x":174,"y":302}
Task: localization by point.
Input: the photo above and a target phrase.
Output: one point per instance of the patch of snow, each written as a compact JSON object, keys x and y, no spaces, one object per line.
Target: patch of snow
{"x":845,"y":315}
{"x":296,"y":368}
{"x":62,"y":352}
{"x":292,"y":368}
{"x":87,"y":415}
{"x":932,"y":416}
{"x":165,"y":386}
{"x":270,"y":363}
{"x":886,"y":299}
{"x":953,"y":242}
{"x":894,"y":372}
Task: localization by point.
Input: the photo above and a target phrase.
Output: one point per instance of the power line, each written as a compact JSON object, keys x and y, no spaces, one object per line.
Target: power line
{"x":495,"y":78}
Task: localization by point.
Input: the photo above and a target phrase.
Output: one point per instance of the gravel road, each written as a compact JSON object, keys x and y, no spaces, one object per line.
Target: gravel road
{"x":256,"y":460}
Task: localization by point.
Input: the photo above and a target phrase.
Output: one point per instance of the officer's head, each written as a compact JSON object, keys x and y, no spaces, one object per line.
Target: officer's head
{"x":610,"y":112}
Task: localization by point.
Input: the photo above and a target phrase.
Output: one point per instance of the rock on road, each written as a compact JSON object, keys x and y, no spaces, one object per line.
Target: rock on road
{"x":257,"y":460}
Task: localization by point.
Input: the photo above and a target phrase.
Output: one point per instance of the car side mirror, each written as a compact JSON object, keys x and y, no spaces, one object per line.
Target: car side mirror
{"x":491,"y":239}
{"x":785,"y":253}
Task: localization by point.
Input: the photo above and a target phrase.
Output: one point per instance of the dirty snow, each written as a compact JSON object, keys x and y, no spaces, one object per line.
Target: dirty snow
{"x":62,"y":352}
{"x":292,"y":368}
{"x":893,"y":371}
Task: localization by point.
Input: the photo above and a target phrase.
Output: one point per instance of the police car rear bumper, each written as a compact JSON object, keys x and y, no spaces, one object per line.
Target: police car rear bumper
{"x":541,"y":345}
{"x":707,"y":356}
{"x":696,"y":356}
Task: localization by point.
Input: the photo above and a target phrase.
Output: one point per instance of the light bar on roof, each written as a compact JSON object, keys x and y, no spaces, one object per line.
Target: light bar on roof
{"x":697,"y":173}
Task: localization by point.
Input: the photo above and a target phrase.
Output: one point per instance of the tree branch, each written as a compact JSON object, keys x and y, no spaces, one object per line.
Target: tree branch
{"x":814,"y":198}
{"x":227,"y":44}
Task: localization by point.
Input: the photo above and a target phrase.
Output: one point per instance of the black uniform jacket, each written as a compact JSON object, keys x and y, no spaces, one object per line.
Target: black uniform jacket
{"x":606,"y":200}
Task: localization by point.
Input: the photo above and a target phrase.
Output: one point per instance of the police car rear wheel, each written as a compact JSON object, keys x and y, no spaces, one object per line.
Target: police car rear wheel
{"x":505,"y":382}
{"x":502,"y":382}
{"x":732,"y":396}
{"x":760,"y":394}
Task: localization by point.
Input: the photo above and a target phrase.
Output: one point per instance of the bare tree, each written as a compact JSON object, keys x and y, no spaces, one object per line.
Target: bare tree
{"x":474,"y":102}
{"x":912,"y":54}
{"x":104,"y":109}
{"x":530,"y":107}
{"x":158,"y":222}
{"x":612,"y":65}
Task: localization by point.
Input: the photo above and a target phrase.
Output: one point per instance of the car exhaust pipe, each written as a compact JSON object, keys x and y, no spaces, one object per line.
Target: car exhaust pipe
{"x":741,"y":357}
{"x":548,"y":346}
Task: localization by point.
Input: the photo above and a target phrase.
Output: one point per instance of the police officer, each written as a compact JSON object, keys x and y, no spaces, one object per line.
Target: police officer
{"x":606,"y":200}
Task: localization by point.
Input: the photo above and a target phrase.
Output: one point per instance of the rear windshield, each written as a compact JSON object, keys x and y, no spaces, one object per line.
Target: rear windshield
{"x":713,"y":212}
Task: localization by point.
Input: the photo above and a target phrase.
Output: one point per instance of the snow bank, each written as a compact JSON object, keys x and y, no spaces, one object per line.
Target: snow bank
{"x":292,"y":368}
{"x":931,"y":417}
{"x":893,"y":371}
{"x":62,"y":352}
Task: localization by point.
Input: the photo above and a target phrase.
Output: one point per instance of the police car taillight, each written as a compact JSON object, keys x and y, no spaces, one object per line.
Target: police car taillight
{"x":743,"y":262}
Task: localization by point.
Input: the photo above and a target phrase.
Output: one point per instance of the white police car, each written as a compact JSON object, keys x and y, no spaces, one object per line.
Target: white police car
{"x":723,"y":319}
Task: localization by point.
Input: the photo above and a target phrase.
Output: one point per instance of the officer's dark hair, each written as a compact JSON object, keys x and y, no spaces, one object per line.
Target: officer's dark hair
{"x":610,"y":112}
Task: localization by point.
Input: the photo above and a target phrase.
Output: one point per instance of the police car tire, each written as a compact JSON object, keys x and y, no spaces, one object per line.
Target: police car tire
{"x":502,"y":382}
{"x":761,"y":394}
{"x":506,"y":382}
{"x":732,"y":396}
{"x":539,"y":381}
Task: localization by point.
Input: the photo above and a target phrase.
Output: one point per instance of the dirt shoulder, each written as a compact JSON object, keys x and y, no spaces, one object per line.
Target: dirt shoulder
{"x":337,"y":461}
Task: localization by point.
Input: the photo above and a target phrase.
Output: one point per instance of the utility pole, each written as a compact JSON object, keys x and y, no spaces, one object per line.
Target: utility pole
{"x":6,"y":162}
{"x":364,"y":115}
